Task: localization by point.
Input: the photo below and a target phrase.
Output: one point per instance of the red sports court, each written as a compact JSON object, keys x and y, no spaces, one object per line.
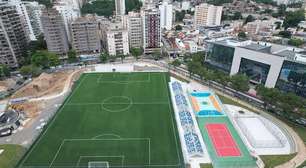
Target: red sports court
{"x":222,"y":140}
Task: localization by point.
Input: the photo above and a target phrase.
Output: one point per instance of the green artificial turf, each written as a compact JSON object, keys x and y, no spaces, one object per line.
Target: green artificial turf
{"x":10,"y":155}
{"x":125,"y":119}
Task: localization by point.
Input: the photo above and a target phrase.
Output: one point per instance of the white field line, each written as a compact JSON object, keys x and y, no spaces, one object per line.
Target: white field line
{"x":108,"y":139}
{"x":134,"y":103}
{"x":102,"y":156}
{"x":49,"y":125}
{"x":126,"y":82}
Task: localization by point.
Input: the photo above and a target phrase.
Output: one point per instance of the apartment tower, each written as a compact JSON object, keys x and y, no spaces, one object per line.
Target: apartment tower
{"x":13,"y":40}
{"x":85,"y":35}
{"x":207,"y":15}
{"x":54,"y":31}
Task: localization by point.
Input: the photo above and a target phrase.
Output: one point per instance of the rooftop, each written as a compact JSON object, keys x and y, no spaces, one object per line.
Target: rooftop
{"x":289,"y":52}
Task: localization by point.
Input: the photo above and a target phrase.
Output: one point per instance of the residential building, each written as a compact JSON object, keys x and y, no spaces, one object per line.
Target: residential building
{"x":117,"y":39}
{"x":54,"y":31}
{"x":85,"y":35}
{"x":151,"y":29}
{"x":24,"y":16}
{"x":166,"y":14}
{"x":13,"y":40}
{"x":120,"y":7}
{"x":186,"y":5}
{"x":34,"y":10}
{"x":135,"y":30}
{"x":207,"y":15}
{"x":264,"y":63}
{"x":260,"y":26}
{"x":69,"y":13}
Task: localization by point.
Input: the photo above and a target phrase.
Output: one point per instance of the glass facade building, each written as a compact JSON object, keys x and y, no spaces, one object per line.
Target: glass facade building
{"x":220,"y":56}
{"x":292,"y":78}
{"x":256,"y":71}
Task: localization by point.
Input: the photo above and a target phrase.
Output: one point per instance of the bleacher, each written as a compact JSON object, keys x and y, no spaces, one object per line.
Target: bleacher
{"x":185,"y":118}
{"x":193,"y":143}
{"x":177,"y":87}
{"x":181,"y":101}
{"x":191,"y":138}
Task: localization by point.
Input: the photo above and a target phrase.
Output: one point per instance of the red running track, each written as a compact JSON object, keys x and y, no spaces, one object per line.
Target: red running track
{"x":222,"y":139}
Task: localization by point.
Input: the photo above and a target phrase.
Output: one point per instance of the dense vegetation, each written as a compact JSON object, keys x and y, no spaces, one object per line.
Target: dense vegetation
{"x":292,"y":19}
{"x":100,"y":7}
{"x":107,"y":7}
{"x":219,"y":2}
{"x":288,"y":105}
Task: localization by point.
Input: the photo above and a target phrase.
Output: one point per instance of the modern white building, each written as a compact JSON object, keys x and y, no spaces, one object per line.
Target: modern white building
{"x":34,"y":10}
{"x":120,"y":7}
{"x":166,"y":15}
{"x":22,"y":12}
{"x":269,"y":64}
{"x":117,"y":39}
{"x":135,"y":30}
{"x":69,"y":12}
{"x":207,"y":15}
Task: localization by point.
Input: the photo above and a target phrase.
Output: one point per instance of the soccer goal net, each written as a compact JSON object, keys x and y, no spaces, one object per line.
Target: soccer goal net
{"x":98,"y":165}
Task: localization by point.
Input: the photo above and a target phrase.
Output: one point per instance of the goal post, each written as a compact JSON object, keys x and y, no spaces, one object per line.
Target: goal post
{"x":98,"y":164}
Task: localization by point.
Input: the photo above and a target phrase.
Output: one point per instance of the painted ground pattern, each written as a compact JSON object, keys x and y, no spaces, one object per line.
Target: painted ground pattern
{"x":119,"y":119}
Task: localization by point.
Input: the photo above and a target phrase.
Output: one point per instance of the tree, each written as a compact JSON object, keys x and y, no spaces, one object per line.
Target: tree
{"x":178,"y":27}
{"x":100,"y":7}
{"x":131,"y":5}
{"x":282,"y":10}
{"x":285,"y":34}
{"x":122,"y":57}
{"x":219,"y":2}
{"x":240,"y":82}
{"x":237,"y":15}
{"x":179,"y":16}
{"x":136,"y":52}
{"x":104,"y":57}
{"x":156,"y":54}
{"x":176,"y":63}
{"x":242,"y":35}
{"x":30,"y":70}
{"x":4,"y":71}
{"x":248,"y":19}
{"x":40,"y":59}
{"x":278,"y":25}
{"x":293,"y":18}
{"x":72,"y":56}
{"x":53,"y":60}
{"x":295,"y":42}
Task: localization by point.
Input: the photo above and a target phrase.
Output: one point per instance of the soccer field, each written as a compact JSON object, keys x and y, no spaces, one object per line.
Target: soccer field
{"x":114,"y":119}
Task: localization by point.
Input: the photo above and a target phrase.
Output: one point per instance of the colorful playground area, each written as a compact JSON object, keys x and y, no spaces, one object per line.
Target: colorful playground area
{"x":205,"y":103}
{"x":221,"y":141}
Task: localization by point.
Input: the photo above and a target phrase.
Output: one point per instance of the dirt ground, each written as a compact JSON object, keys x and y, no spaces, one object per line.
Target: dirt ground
{"x":31,"y":109}
{"x":45,"y":84}
{"x":5,"y":84}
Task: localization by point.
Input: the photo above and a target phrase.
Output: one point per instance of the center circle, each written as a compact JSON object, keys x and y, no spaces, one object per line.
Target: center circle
{"x":116,"y":103}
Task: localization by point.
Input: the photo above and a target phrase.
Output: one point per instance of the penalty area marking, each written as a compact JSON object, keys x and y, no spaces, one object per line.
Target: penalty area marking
{"x":102,"y":135}
{"x":109,"y":139}
{"x":148,"y":80}
{"x":101,"y":156}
